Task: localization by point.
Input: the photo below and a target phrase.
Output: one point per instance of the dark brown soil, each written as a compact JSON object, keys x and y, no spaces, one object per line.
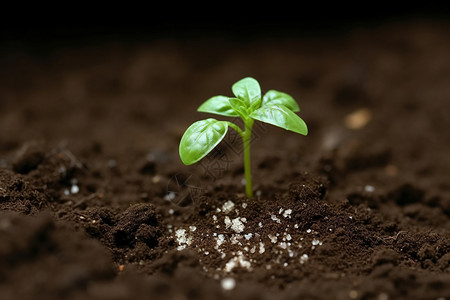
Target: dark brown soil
{"x":96,"y":204}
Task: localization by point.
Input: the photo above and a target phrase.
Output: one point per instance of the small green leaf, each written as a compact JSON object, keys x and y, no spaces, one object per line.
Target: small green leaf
{"x":247,"y":89}
{"x":200,"y":138}
{"x":281,"y":116}
{"x":274,"y":97}
{"x":239,"y":107}
{"x":218,"y":105}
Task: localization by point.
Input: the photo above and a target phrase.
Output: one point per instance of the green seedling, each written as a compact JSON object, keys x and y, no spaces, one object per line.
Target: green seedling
{"x":276,"y":108}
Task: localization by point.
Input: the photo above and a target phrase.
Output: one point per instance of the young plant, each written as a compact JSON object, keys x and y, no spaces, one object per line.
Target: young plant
{"x":276,"y":108}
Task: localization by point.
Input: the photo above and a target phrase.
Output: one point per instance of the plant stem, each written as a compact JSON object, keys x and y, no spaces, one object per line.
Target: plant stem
{"x":246,"y":138}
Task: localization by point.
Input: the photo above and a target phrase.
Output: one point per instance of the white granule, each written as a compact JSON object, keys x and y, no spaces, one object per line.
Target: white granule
{"x":288,"y":237}
{"x":273,"y":238}
{"x":237,"y":261}
{"x":237,"y":225}
{"x":227,"y":221}
{"x":228,"y":207}
{"x":248,"y":236}
{"x":274,"y":218}
{"x":287,"y":213}
{"x":308,"y":230}
{"x":260,"y":224}
{"x":280,"y":211}
{"x":228,"y":284}
{"x":220,"y":240}
{"x":192,"y":228}
{"x":304,"y":258}
{"x":283,"y":245}
{"x":244,"y":205}
{"x":316,"y":242}
{"x":182,"y":239}
{"x":261,"y":248}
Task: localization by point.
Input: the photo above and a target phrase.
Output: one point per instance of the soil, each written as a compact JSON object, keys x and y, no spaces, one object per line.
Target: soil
{"x":96,"y":204}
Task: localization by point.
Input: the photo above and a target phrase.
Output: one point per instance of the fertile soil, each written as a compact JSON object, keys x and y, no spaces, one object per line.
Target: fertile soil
{"x":96,"y":204}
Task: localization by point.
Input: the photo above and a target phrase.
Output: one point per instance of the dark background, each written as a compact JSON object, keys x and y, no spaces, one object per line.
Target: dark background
{"x":71,"y":26}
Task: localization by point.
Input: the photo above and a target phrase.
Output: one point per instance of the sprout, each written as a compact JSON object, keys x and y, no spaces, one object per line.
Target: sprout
{"x":276,"y":108}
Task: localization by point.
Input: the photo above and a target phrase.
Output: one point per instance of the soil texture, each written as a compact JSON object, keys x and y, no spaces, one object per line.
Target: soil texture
{"x":96,"y":204}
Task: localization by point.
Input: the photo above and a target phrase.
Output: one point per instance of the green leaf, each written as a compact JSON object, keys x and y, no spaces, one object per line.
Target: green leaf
{"x":247,"y":89}
{"x":274,"y":97}
{"x":200,"y":138}
{"x":281,"y":116}
{"x":239,"y":107}
{"x":218,"y":105}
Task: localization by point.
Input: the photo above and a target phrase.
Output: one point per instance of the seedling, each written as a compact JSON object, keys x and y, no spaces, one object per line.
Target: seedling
{"x":276,"y":108}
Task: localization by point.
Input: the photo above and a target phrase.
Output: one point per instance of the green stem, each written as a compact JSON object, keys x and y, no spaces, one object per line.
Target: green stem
{"x":246,"y":138}
{"x":238,"y":130}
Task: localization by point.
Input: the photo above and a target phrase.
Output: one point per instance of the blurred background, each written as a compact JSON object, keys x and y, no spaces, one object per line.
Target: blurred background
{"x":130,"y":83}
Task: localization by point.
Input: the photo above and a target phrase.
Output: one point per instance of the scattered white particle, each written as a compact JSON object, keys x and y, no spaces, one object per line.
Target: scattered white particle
{"x":283,"y":245}
{"x":248,"y":236}
{"x":244,"y":205}
{"x":285,"y":264}
{"x":228,"y":283}
{"x":235,"y":239}
{"x":236,"y":262}
{"x":330,"y":229}
{"x":227,"y":221}
{"x":260,"y":224}
{"x":274,"y":218}
{"x":74,"y":189}
{"x":170,"y":196}
{"x":227,"y":207}
{"x":268,"y":267}
{"x":206,"y":252}
{"x":280,"y":211}
{"x":287,"y":213}
{"x":182,"y":239}
{"x":253,"y":249}
{"x":237,"y":225}
{"x":261,"y":248}
{"x":244,"y":220}
{"x":296,"y":226}
{"x":171,"y":211}
{"x":66,"y":192}
{"x":291,"y":253}
{"x":351,"y":218}
{"x":316,"y":242}
{"x":303,"y":258}
{"x":288,"y":237}
{"x":308,"y":231}
{"x":369,"y":188}
{"x":214,"y":217}
{"x":220,"y":240}
{"x":273,"y":238}
{"x":192,"y":228}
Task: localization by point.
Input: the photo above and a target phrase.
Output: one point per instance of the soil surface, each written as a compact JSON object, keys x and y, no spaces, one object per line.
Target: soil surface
{"x":96,"y":204}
